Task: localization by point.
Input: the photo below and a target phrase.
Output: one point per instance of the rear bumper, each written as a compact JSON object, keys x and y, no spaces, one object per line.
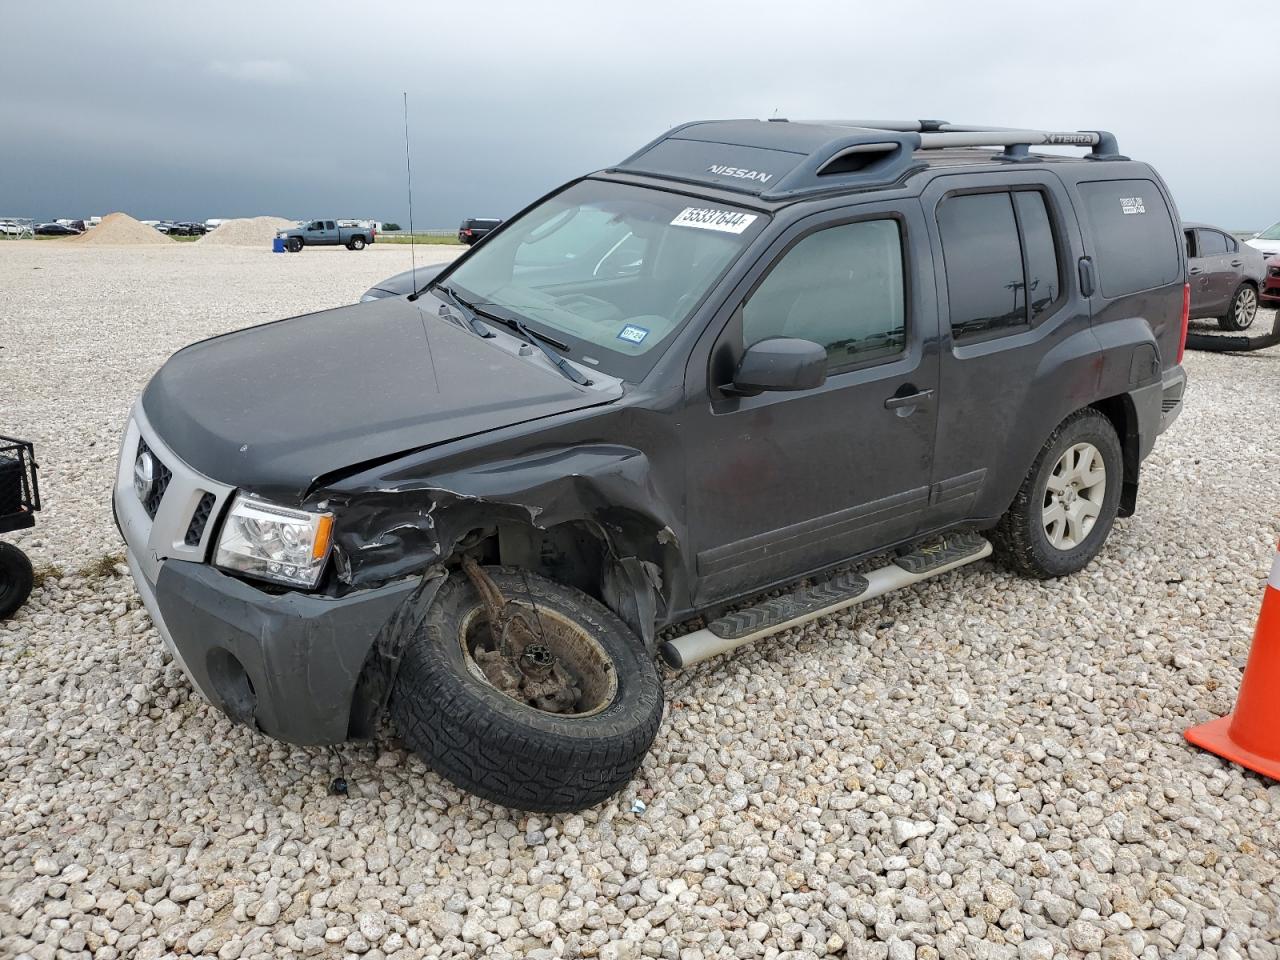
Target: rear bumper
{"x":1174,"y":389}
{"x":288,"y":664}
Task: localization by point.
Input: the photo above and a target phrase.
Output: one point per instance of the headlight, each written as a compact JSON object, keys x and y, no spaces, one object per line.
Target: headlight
{"x":274,"y":543}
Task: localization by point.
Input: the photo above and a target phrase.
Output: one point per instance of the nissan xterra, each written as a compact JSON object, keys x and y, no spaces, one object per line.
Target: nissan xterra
{"x":749,"y":358}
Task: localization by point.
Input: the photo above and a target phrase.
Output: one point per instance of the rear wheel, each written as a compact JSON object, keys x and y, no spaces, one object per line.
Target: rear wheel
{"x":1244,"y":308}
{"x":357,"y":243}
{"x":1067,"y":503}
{"x":16,"y":579}
{"x":562,"y":724}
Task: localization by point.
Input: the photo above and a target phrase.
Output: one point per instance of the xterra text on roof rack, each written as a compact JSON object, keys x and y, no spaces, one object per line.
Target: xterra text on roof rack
{"x":657,"y":392}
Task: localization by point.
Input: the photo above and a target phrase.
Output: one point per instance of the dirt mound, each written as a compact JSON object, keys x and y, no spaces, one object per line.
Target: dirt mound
{"x":247,"y":232}
{"x":122,"y":229}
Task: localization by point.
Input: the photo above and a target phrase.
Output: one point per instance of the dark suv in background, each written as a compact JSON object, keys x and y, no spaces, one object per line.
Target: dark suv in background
{"x":1226,"y":276}
{"x":474,"y":229}
{"x":751,"y":358}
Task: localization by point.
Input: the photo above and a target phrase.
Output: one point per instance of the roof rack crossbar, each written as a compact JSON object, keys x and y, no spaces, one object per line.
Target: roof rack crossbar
{"x":940,"y":134}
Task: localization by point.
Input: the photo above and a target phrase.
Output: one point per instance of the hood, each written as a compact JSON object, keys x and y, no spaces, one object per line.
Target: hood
{"x":271,"y":408}
{"x":1269,"y":248}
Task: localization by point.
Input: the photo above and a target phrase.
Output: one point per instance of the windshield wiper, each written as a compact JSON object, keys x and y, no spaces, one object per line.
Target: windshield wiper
{"x":468,"y":312}
{"x":540,"y":340}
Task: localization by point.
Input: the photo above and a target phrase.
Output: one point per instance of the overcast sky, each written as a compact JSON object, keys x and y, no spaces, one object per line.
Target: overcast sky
{"x":185,"y":111}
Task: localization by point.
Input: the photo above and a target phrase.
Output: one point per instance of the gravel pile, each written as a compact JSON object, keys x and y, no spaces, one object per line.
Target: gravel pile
{"x":120,"y":229}
{"x":980,"y":767}
{"x":247,"y":232}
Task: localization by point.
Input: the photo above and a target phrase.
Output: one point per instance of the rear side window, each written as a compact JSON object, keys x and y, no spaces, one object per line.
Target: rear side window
{"x":1134,"y":240}
{"x":1001,"y":260}
{"x":1211,"y":243}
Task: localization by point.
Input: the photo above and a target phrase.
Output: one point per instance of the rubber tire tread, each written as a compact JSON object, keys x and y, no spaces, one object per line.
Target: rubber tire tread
{"x":506,"y":752}
{"x":16,"y":579}
{"x":1019,"y":537}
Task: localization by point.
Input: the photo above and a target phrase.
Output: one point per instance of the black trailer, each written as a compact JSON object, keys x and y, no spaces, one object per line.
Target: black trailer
{"x":19,"y":501}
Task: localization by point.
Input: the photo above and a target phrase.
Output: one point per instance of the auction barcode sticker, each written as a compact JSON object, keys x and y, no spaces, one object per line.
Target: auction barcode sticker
{"x":708,"y":218}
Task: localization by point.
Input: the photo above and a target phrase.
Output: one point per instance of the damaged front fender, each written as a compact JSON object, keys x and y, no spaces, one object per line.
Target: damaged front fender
{"x":397,"y":526}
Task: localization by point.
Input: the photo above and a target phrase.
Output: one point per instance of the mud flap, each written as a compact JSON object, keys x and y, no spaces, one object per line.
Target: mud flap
{"x":379,"y":672}
{"x":630,"y":587}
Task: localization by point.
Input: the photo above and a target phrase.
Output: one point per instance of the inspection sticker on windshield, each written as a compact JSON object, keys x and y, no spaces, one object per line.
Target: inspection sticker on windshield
{"x":709,"y":218}
{"x":633,"y":334}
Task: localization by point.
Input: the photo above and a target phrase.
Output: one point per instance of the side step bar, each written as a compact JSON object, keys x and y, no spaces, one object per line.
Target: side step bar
{"x":808,"y":603}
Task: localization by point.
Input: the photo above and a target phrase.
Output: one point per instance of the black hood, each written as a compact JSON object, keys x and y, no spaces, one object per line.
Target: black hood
{"x":271,"y":408}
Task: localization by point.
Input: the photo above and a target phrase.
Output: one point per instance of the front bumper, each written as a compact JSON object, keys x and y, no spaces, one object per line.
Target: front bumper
{"x":1270,"y":292}
{"x":286,"y":663}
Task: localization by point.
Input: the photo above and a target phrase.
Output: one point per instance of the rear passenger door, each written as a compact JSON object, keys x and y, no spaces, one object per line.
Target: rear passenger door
{"x":1018,"y":353}
{"x":1215,"y":274}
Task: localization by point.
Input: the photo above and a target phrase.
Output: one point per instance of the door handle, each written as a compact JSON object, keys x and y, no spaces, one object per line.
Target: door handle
{"x":910,"y":400}
{"x":1195,"y":271}
{"x":1237,"y":263}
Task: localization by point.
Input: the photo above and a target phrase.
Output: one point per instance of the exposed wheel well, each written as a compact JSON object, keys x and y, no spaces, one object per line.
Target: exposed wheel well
{"x":1124,"y":417}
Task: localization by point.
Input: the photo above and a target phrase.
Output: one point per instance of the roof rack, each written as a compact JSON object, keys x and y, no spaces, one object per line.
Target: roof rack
{"x":779,"y":159}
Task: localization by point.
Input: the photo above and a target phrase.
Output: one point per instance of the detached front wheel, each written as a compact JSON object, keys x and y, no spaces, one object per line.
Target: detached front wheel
{"x":552,"y":712}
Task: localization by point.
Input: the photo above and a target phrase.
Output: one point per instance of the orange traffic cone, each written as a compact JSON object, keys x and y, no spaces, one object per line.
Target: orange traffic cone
{"x":1251,"y":735}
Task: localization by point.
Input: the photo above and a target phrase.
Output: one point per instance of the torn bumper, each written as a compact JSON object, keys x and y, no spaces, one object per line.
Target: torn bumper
{"x":288,"y":664}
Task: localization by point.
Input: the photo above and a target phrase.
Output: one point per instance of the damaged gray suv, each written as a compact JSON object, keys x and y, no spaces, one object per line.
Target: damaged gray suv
{"x":751,"y":357}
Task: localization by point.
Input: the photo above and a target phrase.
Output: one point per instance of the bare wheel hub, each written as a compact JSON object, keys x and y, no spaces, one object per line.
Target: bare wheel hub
{"x":534,"y":655}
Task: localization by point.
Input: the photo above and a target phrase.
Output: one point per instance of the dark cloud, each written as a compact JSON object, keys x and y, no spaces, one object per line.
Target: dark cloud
{"x":168,"y":110}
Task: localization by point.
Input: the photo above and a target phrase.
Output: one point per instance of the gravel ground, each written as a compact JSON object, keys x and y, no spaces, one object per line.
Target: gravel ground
{"x":979,"y":767}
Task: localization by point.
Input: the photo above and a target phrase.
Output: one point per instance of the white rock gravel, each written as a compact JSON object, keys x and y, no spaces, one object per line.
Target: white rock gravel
{"x":980,"y":767}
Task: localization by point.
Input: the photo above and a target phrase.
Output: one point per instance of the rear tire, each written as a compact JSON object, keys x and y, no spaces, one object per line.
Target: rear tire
{"x":16,"y":579}
{"x":1242,"y":311}
{"x":357,"y":243}
{"x":1062,"y":513}
{"x":501,"y":748}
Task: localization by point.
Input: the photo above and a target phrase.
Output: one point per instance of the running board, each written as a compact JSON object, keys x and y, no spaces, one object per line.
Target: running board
{"x":808,"y":603}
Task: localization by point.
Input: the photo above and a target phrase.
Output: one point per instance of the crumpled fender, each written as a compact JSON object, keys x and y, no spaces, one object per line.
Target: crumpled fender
{"x":399,"y":529}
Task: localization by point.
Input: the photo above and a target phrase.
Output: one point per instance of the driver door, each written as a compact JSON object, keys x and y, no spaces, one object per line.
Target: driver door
{"x":781,"y":484}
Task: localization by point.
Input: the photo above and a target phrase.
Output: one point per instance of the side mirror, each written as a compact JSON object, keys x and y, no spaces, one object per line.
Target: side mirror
{"x":781,"y":363}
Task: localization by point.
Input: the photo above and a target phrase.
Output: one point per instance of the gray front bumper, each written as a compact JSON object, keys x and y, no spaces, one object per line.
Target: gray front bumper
{"x":287,"y":663}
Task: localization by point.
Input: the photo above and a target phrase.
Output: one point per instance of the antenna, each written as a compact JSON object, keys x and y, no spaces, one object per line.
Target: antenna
{"x":408,"y":173}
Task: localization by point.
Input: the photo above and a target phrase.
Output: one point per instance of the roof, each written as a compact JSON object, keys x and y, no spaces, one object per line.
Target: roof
{"x":781,"y":159}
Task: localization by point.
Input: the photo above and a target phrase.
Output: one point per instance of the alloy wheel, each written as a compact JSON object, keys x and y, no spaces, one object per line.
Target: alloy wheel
{"x":1073,"y":496}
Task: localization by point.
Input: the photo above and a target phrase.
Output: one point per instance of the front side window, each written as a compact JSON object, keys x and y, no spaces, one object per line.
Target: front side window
{"x":1001,"y":261}
{"x":610,"y":269}
{"x":841,"y":287}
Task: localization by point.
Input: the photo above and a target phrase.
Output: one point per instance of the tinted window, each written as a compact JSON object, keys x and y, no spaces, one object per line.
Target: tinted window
{"x":1043,"y":284}
{"x":1189,"y":237}
{"x":1232,"y":245}
{"x":1133,"y":235}
{"x":1211,"y":243}
{"x":983,"y":261}
{"x":841,"y":287}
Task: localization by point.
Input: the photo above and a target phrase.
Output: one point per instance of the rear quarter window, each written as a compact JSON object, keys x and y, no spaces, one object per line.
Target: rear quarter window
{"x":1134,"y":238}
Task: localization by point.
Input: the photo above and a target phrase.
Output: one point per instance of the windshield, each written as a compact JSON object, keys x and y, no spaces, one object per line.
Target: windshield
{"x":1271,"y":233}
{"x":609,"y":269}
